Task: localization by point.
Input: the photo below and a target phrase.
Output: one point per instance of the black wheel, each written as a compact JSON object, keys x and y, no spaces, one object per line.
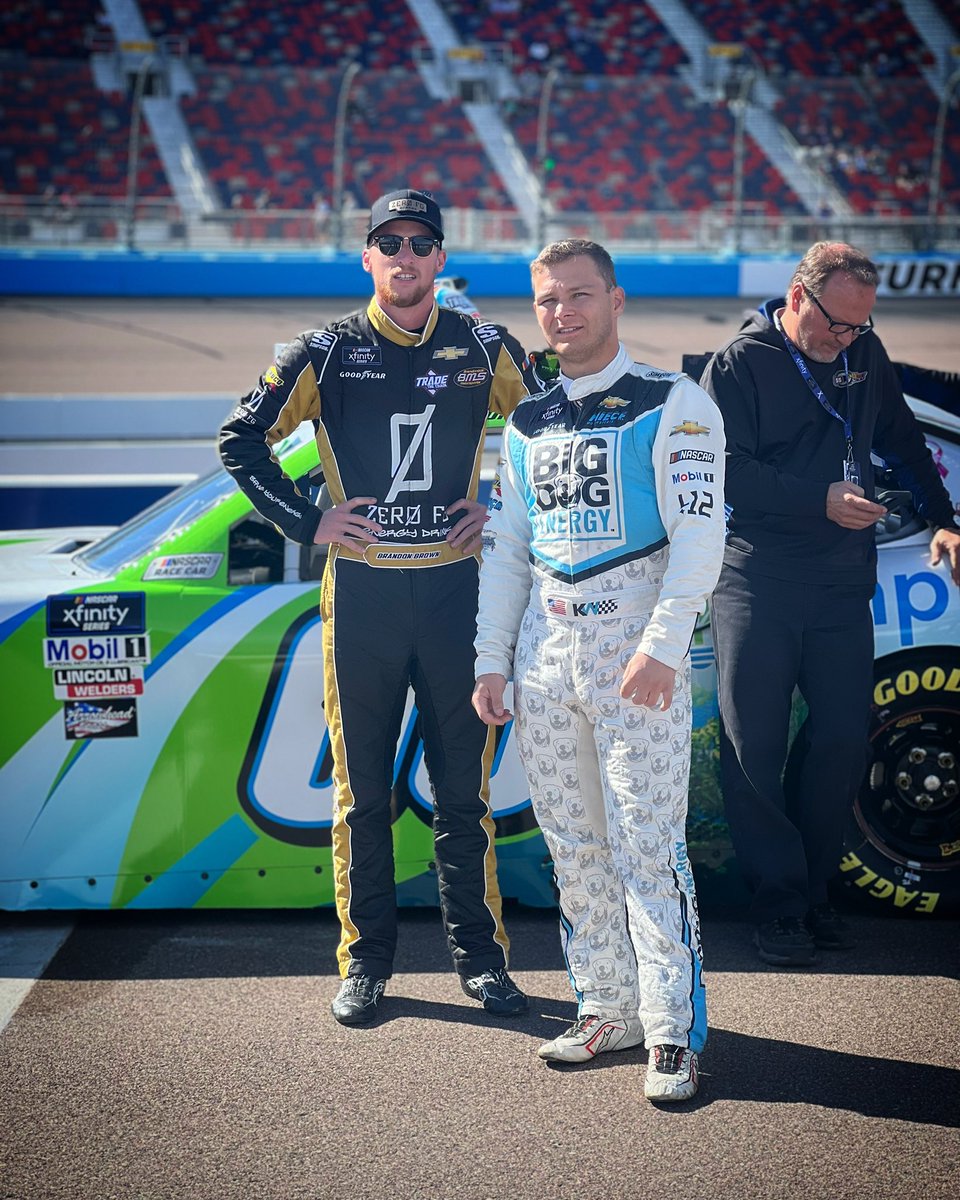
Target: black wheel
{"x":902,"y":843}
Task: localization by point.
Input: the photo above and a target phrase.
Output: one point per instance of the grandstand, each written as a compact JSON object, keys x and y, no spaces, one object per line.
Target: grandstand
{"x":717,"y":124}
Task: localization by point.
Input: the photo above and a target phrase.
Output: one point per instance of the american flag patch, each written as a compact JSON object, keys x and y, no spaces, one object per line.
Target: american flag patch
{"x":581,"y":608}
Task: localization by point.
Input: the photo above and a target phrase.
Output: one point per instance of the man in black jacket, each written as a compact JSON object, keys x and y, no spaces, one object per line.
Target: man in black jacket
{"x":807,"y":392}
{"x":398,"y":394}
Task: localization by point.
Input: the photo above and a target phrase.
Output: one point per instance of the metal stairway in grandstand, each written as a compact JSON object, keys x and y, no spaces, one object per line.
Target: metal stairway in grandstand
{"x":939,"y":37}
{"x":136,"y":53}
{"x":813,"y":187}
{"x":519,"y":181}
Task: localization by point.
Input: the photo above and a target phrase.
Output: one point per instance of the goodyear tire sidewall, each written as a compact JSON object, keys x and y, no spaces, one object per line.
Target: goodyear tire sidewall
{"x":887,"y":865}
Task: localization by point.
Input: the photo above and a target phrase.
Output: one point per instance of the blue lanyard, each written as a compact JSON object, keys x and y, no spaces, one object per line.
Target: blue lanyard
{"x":815,"y":387}
{"x":852,"y":470}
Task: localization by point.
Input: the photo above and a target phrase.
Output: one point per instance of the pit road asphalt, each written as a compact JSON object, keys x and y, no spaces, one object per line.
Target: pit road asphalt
{"x":193,"y":1055}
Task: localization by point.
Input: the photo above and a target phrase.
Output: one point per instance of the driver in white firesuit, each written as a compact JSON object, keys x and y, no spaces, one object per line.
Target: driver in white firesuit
{"x":605,"y":540}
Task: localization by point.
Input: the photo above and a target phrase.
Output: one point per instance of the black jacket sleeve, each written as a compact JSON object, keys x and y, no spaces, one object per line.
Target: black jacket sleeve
{"x":286,"y":396}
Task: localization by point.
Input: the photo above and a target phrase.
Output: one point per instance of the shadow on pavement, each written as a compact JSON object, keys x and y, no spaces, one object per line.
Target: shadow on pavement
{"x":211,"y":944}
{"x":742,"y":1067}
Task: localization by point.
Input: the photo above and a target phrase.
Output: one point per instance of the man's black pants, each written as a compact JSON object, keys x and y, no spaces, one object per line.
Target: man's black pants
{"x":385,"y":630}
{"x":772,"y":636}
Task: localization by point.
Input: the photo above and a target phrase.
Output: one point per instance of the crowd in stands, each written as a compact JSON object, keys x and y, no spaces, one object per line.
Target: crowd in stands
{"x":875,"y":142}
{"x":59,"y":132}
{"x":56,"y":29}
{"x":266,"y":134}
{"x":592,"y":37}
{"x":625,"y":131}
{"x":289,"y":32}
{"x":645,"y":144}
{"x":871,"y":37}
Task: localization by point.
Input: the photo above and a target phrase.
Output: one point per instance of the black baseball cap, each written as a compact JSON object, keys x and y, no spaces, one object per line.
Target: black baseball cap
{"x":407,"y":205}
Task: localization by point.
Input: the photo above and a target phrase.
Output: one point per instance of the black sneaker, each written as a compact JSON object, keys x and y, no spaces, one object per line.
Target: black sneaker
{"x":785,"y":942}
{"x":497,"y":992}
{"x":357,"y":1000}
{"x":828,"y":929}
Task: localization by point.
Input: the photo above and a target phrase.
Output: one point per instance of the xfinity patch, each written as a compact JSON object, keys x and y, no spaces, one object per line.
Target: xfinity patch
{"x":113,"y":612}
{"x":361,"y":356}
{"x":185,"y":566}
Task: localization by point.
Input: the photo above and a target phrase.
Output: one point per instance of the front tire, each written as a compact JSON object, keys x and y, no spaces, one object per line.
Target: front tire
{"x":902,"y":840}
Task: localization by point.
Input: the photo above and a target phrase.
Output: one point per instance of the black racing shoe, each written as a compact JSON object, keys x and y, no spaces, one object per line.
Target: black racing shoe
{"x":357,"y":1000}
{"x":785,"y":942}
{"x":828,"y":929}
{"x":497,"y":992}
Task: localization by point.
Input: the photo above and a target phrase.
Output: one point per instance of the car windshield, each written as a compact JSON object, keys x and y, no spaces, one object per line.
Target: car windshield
{"x":158,"y":523}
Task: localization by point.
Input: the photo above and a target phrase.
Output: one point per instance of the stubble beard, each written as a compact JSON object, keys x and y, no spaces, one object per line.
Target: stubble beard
{"x":386,"y":295}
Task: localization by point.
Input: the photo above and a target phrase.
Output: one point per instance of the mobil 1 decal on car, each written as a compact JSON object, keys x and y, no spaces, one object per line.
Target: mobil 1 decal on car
{"x":96,"y":650}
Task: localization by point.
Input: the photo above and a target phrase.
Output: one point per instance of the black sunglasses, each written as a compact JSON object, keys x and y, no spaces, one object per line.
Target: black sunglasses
{"x":840,"y":326}
{"x":390,"y":243}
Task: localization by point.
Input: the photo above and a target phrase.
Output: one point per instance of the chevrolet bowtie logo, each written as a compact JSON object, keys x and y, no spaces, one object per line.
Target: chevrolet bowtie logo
{"x":451,"y":352}
{"x":689,"y":427}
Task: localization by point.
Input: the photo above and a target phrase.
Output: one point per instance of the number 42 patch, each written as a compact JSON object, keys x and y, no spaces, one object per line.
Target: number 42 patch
{"x":697,"y":504}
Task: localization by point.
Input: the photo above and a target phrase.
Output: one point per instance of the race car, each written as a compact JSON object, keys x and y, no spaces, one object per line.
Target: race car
{"x":164,"y":742}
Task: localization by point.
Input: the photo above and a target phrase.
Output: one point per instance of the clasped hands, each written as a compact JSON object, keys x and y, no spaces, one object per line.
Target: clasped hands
{"x":344,"y":525}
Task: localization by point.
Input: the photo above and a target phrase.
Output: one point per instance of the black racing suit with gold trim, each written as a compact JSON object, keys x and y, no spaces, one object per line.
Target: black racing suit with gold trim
{"x":399,"y":416}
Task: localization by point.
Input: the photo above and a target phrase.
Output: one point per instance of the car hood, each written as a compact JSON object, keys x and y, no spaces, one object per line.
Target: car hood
{"x":36,"y":563}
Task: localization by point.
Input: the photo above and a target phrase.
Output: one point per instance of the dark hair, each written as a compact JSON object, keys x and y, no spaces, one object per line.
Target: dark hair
{"x":824,"y":259}
{"x":560,"y":252}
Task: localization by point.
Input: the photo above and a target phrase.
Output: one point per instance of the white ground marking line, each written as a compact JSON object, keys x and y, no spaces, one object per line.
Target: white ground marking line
{"x":24,"y":954}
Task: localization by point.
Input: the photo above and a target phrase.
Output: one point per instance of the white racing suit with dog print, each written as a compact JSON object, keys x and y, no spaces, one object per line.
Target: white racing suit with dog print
{"x":605,"y":538}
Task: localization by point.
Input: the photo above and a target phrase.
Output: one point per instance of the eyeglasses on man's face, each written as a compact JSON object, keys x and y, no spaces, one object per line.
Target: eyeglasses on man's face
{"x":390,"y":243}
{"x":840,"y":327}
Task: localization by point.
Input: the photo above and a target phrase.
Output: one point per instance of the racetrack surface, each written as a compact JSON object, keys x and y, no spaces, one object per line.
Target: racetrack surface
{"x":77,"y":345}
{"x":192,"y":1056}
